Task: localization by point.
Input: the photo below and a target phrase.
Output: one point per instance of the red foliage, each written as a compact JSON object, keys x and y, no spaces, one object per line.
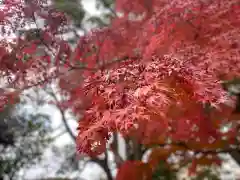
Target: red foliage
{"x":8,"y":98}
{"x":172,"y":66}
{"x":135,"y":170}
{"x":150,"y":74}
{"x":27,"y":53}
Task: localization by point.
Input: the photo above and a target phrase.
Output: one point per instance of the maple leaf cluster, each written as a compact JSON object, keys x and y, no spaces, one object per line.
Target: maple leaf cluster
{"x":155,"y":73}
{"x":30,"y":47}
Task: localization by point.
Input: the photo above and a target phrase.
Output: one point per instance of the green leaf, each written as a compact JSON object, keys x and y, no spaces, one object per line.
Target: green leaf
{"x":163,"y":173}
{"x":232,"y":86}
{"x":71,"y":8}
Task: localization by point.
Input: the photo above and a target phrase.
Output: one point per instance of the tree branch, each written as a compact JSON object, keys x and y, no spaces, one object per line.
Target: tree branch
{"x":114,"y":148}
{"x":64,"y":119}
{"x":103,"y":163}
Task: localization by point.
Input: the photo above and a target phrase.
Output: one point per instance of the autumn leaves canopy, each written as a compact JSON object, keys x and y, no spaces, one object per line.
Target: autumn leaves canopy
{"x":155,"y":73}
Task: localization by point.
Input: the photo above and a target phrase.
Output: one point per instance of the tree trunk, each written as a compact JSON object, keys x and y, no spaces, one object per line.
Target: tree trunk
{"x":108,"y":172}
{"x":103,"y":163}
{"x":236,"y":156}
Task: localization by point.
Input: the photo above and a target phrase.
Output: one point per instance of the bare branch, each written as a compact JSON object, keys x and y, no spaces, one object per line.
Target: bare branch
{"x":64,"y":119}
{"x":114,"y":148}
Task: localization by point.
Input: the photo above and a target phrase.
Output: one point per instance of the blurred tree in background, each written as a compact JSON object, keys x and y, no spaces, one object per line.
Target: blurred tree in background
{"x":24,"y":137}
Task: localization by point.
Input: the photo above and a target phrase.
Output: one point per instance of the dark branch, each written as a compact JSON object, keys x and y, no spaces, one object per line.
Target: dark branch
{"x":64,"y":119}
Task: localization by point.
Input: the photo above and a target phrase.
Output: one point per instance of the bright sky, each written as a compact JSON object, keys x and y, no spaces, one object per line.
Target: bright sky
{"x":89,"y":6}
